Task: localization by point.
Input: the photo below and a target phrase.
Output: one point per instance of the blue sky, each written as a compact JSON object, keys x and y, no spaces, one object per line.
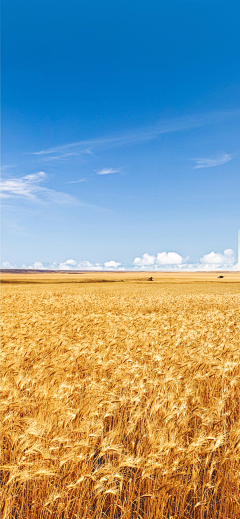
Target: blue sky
{"x":120,"y":133}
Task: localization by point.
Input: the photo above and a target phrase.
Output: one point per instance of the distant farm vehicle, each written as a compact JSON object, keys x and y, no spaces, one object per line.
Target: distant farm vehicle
{"x":221,"y":276}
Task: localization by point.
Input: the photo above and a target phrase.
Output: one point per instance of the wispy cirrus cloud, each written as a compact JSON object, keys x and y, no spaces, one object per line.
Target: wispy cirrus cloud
{"x":107,"y":171}
{"x":76,"y":181}
{"x":28,"y":187}
{"x":211,"y":163}
{"x":135,"y":137}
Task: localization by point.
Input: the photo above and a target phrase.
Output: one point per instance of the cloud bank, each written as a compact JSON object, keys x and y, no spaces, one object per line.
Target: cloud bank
{"x":69,"y":264}
{"x":162,"y":261}
{"x":174,"y":261}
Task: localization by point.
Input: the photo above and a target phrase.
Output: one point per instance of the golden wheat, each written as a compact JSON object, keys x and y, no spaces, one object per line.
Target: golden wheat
{"x":120,"y":401}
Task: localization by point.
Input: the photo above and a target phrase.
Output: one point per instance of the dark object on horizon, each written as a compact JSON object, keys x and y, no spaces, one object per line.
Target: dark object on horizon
{"x":221,"y":276}
{"x":150,"y":279}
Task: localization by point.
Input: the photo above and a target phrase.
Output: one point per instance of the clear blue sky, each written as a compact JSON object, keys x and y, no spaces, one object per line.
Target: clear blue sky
{"x":120,"y":132}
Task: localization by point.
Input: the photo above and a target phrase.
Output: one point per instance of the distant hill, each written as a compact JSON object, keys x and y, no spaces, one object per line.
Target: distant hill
{"x":35,"y":271}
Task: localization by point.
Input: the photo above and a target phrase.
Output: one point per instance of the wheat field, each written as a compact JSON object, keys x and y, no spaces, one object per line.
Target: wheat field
{"x":120,"y":399}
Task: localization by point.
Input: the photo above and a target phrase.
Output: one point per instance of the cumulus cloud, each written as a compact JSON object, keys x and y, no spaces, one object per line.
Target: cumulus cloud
{"x":87,"y":264}
{"x":70,"y":264}
{"x":162,"y":259}
{"x":173,"y":260}
{"x":215,"y":258}
{"x":7,"y":265}
{"x":107,"y":171}
{"x":112,"y":264}
{"x":145,"y":260}
{"x":211,"y":163}
{"x":169,"y":258}
{"x":214,"y":261}
{"x":37,"y":265}
{"x":29,"y":187}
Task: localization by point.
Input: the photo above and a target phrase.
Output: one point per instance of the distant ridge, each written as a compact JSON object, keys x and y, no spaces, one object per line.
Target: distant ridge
{"x":45,"y":271}
{"x":41,"y":271}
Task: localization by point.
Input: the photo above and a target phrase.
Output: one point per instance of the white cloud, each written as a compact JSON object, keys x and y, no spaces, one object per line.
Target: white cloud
{"x":169,"y":258}
{"x":67,"y":265}
{"x":7,"y":265}
{"x":162,"y":258}
{"x":112,"y":264}
{"x":28,"y":187}
{"x":214,"y":261}
{"x":145,"y":260}
{"x":85,"y":265}
{"x":173,"y":260}
{"x":76,"y":181}
{"x":163,"y":261}
{"x":25,"y":186}
{"x":215,"y":258}
{"x":210,"y":163}
{"x":74,"y":265}
{"x":70,"y":264}
{"x":139,"y":135}
{"x":236,"y":267}
{"x":38,"y":265}
{"x":107,"y":171}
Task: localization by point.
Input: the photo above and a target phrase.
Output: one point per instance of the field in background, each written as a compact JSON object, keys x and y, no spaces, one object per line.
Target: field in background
{"x":129,"y":277}
{"x":120,"y":397}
